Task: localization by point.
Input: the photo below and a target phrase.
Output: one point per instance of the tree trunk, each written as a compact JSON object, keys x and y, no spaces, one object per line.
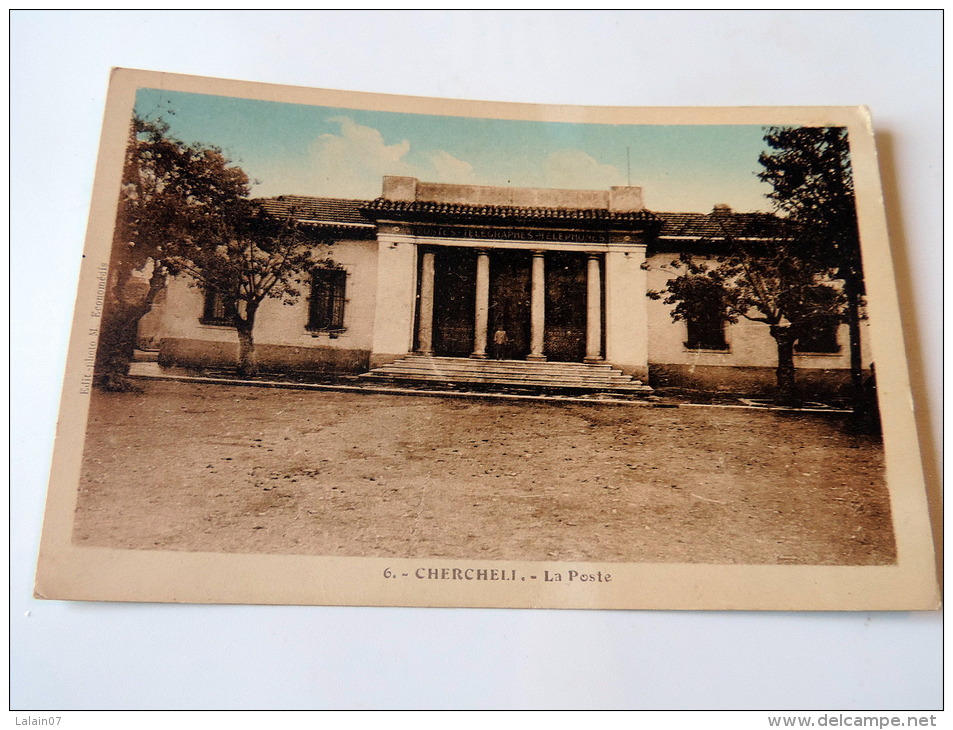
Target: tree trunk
{"x":785,"y":338}
{"x":119,"y":327}
{"x":117,"y":341}
{"x":247,"y":358}
{"x":853,"y":324}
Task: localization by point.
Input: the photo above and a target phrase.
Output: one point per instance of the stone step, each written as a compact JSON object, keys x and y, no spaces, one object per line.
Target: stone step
{"x":507,"y":373}
{"x":527,"y":377}
{"x":537,"y":384}
{"x":145,"y":356}
{"x":500,"y":372}
{"x":519,"y":364}
{"x":479,"y":366}
{"x":473,"y":364}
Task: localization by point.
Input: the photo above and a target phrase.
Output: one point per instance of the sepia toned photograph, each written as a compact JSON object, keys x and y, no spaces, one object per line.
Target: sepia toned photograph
{"x":346,"y":349}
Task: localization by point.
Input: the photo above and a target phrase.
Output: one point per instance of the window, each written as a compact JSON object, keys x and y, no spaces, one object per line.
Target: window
{"x":706,"y":331}
{"x":326,"y":307}
{"x":214,"y":311}
{"x":819,"y":335}
{"x":701,"y":302}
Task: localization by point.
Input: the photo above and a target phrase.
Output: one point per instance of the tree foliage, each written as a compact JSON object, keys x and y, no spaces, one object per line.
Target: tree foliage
{"x":171,"y":192}
{"x":792,"y":270}
{"x":247,"y":257}
{"x":812,"y":182}
{"x":810,"y":172}
{"x":768,"y":278}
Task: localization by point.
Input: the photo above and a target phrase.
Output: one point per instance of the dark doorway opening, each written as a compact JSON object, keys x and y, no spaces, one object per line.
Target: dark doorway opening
{"x":454,"y":301}
{"x":510,"y":291}
{"x":565,"y":336}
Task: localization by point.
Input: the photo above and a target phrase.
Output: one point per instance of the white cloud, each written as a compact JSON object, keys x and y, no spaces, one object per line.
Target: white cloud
{"x":449,"y":169}
{"x":352,"y":163}
{"x":577,"y":170}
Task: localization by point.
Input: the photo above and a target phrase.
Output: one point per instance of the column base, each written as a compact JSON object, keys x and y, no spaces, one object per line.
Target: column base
{"x":593,"y":360}
{"x":425,"y":353}
{"x":478,"y":356}
{"x":536,"y":358}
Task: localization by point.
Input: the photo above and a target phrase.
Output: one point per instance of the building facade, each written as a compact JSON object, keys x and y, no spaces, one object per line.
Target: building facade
{"x":496,"y":274}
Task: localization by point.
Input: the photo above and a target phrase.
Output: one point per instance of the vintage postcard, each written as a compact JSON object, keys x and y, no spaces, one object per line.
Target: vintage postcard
{"x":351,"y":349}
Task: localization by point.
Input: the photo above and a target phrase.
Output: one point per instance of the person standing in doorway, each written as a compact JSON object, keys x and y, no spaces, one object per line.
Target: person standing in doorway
{"x":500,"y":341}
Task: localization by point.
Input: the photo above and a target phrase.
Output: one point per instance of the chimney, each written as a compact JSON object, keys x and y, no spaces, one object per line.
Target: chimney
{"x":625,"y":199}
{"x":721,"y":209}
{"x":398,"y":187}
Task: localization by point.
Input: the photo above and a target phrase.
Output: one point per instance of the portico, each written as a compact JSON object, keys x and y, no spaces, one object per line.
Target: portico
{"x":494,"y":303}
{"x":511,"y":274}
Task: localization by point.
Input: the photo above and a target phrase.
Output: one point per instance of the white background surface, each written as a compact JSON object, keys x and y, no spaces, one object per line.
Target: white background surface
{"x":85,"y":655}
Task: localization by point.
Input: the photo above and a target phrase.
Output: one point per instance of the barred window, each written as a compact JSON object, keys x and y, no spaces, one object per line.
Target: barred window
{"x":819,"y":336}
{"x":214,"y":311}
{"x":706,"y":331}
{"x":326,"y":307}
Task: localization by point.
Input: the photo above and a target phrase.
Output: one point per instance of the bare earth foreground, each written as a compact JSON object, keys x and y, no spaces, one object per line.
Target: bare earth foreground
{"x":242,"y":469}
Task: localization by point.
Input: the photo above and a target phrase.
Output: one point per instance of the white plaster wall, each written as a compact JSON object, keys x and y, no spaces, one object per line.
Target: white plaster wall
{"x":282,"y":324}
{"x":749,"y":343}
{"x":626,"y":311}
{"x":396,"y":297}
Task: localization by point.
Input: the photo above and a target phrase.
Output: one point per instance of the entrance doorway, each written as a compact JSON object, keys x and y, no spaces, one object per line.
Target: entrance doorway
{"x":509,"y":317}
{"x":565,"y":335}
{"x":510,"y":304}
{"x":454,"y":301}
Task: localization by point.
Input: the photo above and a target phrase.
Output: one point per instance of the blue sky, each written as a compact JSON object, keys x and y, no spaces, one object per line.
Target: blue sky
{"x":325,"y":151}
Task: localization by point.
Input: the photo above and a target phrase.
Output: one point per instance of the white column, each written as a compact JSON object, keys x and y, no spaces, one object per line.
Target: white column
{"x":538,"y":309}
{"x":425,"y":317}
{"x":593,"y":311}
{"x":482,"y":314}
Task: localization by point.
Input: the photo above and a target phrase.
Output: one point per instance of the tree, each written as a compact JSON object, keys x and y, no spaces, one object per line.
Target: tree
{"x":170,"y":192}
{"x":760,"y":274}
{"x":248,"y":257}
{"x":810,"y":172}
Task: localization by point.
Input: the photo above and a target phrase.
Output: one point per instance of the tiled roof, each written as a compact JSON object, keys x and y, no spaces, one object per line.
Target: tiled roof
{"x":698,"y":227}
{"x":721,"y":225}
{"x":428,"y":209}
{"x":323,"y":210}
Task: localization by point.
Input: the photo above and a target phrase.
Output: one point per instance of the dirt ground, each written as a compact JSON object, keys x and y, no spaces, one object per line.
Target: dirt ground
{"x":183,"y":466}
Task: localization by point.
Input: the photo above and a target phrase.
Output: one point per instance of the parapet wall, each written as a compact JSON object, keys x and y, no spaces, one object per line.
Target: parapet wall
{"x":624,"y":199}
